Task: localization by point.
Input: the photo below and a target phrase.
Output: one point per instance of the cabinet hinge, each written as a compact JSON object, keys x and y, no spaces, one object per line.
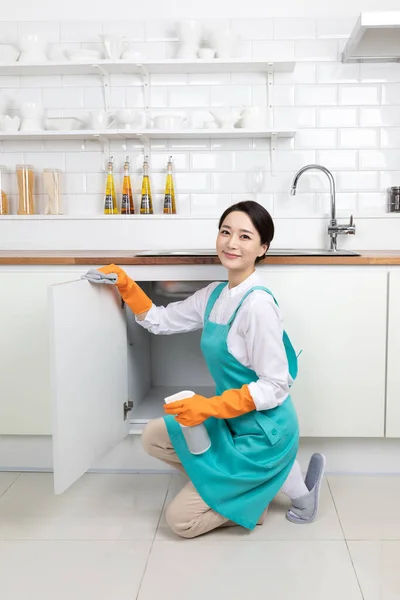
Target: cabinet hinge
{"x":127,"y":407}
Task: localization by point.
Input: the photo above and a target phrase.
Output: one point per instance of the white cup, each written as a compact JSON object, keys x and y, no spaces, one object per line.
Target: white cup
{"x":100,"y":119}
{"x":8,"y":123}
{"x":206,"y":53}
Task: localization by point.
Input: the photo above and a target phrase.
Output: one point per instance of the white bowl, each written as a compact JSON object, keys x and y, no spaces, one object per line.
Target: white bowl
{"x":8,"y":53}
{"x":63,"y":124}
{"x":8,"y":123}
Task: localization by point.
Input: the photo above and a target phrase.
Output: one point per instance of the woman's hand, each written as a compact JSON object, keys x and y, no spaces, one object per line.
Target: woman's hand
{"x":195,"y":410}
{"x":131,"y":293}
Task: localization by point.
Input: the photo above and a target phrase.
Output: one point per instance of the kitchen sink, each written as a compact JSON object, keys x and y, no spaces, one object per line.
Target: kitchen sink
{"x":271,"y":252}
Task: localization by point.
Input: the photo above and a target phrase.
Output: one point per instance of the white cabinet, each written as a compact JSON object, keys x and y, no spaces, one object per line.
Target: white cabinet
{"x":24,"y":349}
{"x":337,"y":317}
{"x":393,"y":366}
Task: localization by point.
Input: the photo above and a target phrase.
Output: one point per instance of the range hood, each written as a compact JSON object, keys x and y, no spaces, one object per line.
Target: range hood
{"x":375,"y":38}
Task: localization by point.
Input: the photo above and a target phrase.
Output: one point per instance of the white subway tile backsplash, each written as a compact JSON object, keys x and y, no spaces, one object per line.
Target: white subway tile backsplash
{"x":359,"y":95}
{"x":235,"y":95}
{"x":209,"y":79}
{"x":210,"y":204}
{"x":159,"y":97}
{"x":232,"y":144}
{"x":230,"y":182}
{"x":133,"y":30}
{"x":391,"y":93}
{"x":300,"y":205}
{"x":189,"y":96}
{"x":63,"y":98}
{"x":211,"y":161}
{"x":45,"y":160}
{"x":8,"y":32}
{"x":389,"y":179}
{"x":337,"y":117}
{"x":316,"y":50}
{"x":358,"y":138}
{"x":385,"y":160}
{"x":47,"y":30}
{"x":338,"y":159}
{"x":253,"y":29}
{"x":42,"y":81}
{"x":347,"y":117}
{"x":251,"y":161}
{"x":190,"y":182}
{"x":385,"y":116}
{"x":357,"y":181}
{"x":379,"y":72}
{"x":81,"y":31}
{"x":74,"y":183}
{"x":283,"y":95}
{"x":345,"y":203}
{"x":266,"y":200}
{"x":390,"y":138}
{"x":302,"y":73}
{"x":134,"y":97}
{"x":312,"y":95}
{"x":372,"y":202}
{"x":294,"y":117}
{"x":337,"y":73}
{"x":335,"y":27}
{"x":85,"y":162}
{"x":294,"y":29}
{"x":273,"y":50}
{"x":161,"y":30}
{"x":292,"y":160}
{"x":315,"y":139}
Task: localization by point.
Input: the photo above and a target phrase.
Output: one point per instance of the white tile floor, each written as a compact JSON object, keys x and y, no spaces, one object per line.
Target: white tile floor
{"x":107,"y":539}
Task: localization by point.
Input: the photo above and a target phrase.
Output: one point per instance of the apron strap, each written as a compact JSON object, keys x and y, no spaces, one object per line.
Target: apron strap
{"x":213,"y":298}
{"x":290,"y":351}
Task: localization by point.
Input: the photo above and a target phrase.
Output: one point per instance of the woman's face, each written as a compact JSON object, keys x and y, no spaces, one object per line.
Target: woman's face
{"x":238,"y":242}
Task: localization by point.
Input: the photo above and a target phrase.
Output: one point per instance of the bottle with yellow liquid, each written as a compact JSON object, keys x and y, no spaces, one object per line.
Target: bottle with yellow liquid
{"x":110,"y":201}
{"x":146,"y":203}
{"x":169,"y":197}
{"x":127,"y":206}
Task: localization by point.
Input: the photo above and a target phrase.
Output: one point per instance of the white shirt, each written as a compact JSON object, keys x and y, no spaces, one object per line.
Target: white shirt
{"x":254,"y":339}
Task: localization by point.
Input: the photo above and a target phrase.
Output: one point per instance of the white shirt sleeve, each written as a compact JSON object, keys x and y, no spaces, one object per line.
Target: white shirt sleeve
{"x":266,"y":352}
{"x":178,"y":317}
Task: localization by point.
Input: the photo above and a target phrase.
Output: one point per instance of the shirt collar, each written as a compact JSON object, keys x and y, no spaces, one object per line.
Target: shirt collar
{"x":251,"y":281}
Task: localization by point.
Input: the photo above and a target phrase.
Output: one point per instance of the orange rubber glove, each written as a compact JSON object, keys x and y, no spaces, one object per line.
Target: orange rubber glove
{"x":130,"y":292}
{"x":195,"y":410}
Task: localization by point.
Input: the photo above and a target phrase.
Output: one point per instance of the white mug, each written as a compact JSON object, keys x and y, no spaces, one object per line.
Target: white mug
{"x":100,"y":119}
{"x":206,"y":53}
{"x":8,"y":123}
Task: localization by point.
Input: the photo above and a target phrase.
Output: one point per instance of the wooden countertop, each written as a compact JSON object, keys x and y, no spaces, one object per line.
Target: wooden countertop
{"x":119,"y":257}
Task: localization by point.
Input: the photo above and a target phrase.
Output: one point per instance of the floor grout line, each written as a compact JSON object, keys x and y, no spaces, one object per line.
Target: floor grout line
{"x":11,"y":484}
{"x":154,"y":539}
{"x":346,"y":541}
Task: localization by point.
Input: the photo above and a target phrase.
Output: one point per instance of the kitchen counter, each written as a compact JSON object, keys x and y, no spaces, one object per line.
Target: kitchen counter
{"x":119,"y":257}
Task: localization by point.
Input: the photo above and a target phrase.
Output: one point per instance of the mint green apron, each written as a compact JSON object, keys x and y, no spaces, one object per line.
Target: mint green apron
{"x":251,"y":455}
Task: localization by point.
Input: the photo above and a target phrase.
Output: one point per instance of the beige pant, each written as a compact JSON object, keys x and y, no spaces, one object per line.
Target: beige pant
{"x":188,"y":515}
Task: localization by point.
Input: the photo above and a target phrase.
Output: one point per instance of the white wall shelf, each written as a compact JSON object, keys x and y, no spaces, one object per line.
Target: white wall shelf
{"x":147,"y":134}
{"x":163,"y":66}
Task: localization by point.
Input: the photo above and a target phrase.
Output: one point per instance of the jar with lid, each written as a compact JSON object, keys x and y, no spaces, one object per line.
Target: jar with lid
{"x":394,"y":199}
{"x":4,"y":189}
{"x":26,"y":188}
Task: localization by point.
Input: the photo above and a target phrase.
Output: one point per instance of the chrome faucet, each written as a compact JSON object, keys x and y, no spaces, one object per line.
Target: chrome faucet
{"x":333,"y":229}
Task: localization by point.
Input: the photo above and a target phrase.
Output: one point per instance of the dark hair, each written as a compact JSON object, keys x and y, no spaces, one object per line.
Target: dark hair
{"x":260,"y":218}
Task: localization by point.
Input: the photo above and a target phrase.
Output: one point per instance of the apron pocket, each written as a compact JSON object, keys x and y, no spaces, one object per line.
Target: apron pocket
{"x":272,"y":430}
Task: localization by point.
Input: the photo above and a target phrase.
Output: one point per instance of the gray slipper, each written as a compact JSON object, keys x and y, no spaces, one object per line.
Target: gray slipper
{"x":305,"y":508}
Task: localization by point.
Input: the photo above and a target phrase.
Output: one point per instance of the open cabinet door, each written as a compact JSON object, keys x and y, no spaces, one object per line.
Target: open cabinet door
{"x":89,"y":382}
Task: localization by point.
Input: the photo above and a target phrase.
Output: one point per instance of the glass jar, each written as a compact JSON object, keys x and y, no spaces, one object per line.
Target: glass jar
{"x":394,"y":199}
{"x":4,"y":187}
{"x":26,"y":188}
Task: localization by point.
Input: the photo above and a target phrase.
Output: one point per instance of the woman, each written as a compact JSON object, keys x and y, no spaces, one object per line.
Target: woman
{"x":251,"y":421}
